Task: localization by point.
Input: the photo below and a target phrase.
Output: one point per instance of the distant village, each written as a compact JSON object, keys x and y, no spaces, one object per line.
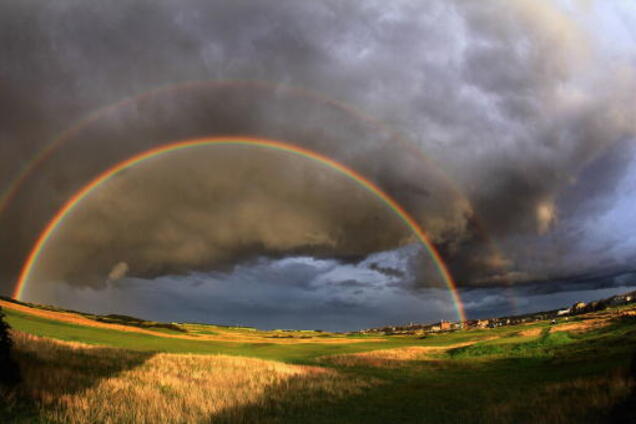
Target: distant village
{"x":554,"y":315}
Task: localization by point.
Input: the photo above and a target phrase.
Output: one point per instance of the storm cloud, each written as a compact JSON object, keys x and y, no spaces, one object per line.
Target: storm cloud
{"x":305,"y":292}
{"x":503,"y":128}
{"x":266,"y":293}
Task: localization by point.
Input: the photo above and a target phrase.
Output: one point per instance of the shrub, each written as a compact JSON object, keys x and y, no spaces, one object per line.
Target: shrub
{"x":9,"y":371}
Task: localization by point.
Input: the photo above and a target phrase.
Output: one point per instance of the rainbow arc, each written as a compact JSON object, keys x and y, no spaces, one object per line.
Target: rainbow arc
{"x":364,"y":182}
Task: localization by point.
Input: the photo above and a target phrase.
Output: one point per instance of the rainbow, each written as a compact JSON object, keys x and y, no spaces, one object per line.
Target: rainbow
{"x":58,"y":142}
{"x":68,"y":207}
{"x":12,"y":189}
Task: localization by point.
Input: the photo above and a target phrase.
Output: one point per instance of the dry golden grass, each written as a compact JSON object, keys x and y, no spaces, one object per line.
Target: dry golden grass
{"x":76,"y":319}
{"x":222,"y":335}
{"x":390,"y":358}
{"x":583,"y":326}
{"x":78,"y":383}
{"x":531,"y":332}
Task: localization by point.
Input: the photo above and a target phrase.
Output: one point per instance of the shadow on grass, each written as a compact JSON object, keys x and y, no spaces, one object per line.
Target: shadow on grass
{"x":50,"y":370}
{"x":49,"y":367}
{"x":403,"y":392}
{"x":578,"y":382}
{"x":625,"y":412}
{"x":493,"y":390}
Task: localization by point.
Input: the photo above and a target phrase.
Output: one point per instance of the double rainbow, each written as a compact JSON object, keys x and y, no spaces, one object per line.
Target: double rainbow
{"x":70,"y":205}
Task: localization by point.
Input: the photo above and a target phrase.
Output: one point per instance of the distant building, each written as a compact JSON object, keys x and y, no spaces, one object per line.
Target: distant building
{"x":563,"y":312}
{"x":471,"y":323}
{"x":444,"y":325}
{"x":482,"y":323}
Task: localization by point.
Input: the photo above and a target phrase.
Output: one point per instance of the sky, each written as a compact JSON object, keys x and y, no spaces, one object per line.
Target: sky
{"x":506,"y":130}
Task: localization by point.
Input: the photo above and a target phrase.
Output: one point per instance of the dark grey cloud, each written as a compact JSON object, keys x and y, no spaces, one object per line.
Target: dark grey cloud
{"x":208,"y":207}
{"x":515,"y":103}
{"x":307,"y":292}
{"x":296,"y":292}
{"x":538,"y":296}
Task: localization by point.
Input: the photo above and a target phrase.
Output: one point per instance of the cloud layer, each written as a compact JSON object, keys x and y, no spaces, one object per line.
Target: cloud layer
{"x":524,"y":110}
{"x":304,"y":292}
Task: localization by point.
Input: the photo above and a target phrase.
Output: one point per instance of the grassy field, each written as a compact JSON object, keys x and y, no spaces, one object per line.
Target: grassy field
{"x":572,"y":372}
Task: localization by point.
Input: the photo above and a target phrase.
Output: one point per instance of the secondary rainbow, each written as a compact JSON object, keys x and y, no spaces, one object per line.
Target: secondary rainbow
{"x":238,"y":141}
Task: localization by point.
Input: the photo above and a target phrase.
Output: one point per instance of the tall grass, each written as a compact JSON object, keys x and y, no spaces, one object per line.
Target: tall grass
{"x":391,"y":358}
{"x":77,"y":383}
{"x":578,"y":401}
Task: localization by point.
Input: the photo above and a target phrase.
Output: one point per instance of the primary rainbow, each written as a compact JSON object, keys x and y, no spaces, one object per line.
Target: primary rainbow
{"x":241,"y":141}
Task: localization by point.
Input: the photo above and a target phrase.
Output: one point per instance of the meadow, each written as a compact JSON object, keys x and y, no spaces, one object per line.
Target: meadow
{"x":572,"y":372}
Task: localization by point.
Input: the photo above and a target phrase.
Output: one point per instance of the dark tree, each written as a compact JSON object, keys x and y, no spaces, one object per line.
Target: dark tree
{"x":9,"y":371}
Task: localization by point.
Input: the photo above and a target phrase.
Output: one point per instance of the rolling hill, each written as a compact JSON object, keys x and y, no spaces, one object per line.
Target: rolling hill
{"x":84,"y":368}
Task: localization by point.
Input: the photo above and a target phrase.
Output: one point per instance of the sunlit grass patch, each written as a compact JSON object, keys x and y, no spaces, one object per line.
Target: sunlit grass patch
{"x":583,"y":326}
{"x":78,"y":383}
{"x":390,"y":358}
{"x":514,"y":346}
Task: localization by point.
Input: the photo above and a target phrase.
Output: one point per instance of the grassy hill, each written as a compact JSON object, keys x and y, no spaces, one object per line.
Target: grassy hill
{"x":81,"y":369}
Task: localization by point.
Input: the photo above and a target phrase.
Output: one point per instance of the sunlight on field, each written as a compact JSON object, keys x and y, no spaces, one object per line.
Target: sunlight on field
{"x":78,"y":383}
{"x":388,"y":358}
{"x":528,"y":373}
{"x":584,"y":325}
{"x":533,"y":332}
{"x":202,"y":332}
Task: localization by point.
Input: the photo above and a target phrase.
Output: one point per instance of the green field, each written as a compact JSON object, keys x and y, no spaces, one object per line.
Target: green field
{"x":293,"y":353}
{"x":504,"y":376}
